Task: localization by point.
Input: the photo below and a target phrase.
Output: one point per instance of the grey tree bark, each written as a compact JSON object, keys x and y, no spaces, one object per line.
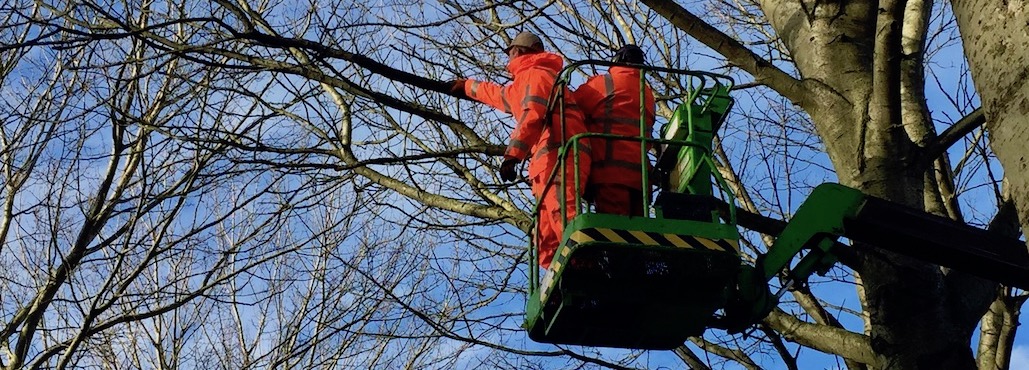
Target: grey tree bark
{"x":851,"y":65}
{"x":995,"y":43}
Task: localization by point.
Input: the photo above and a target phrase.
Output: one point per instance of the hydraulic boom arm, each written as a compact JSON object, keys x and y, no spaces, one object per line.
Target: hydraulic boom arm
{"x":834,"y":211}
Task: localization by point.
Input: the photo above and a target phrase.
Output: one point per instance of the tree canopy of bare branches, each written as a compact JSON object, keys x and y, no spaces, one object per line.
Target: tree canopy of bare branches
{"x":236,"y":184}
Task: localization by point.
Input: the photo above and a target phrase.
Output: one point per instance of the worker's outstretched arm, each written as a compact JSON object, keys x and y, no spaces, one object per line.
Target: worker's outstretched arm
{"x":489,"y":93}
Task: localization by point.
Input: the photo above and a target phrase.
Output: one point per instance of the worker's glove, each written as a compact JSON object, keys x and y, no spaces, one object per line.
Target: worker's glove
{"x":507,"y":170}
{"x":457,"y":88}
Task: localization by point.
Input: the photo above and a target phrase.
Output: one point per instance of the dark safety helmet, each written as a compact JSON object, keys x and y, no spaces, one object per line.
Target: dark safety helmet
{"x":629,"y":54}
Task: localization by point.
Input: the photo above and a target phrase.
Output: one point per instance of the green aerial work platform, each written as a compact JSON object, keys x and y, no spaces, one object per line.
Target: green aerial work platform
{"x":607,"y":284}
{"x":651,"y":282}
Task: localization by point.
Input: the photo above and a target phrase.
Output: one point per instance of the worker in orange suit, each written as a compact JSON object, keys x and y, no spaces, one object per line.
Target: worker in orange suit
{"x":612,"y":105}
{"x":535,"y":137}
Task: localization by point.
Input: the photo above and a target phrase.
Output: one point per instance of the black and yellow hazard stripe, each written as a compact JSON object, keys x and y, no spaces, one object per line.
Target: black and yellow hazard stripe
{"x":594,"y":234}
{"x":588,"y":235}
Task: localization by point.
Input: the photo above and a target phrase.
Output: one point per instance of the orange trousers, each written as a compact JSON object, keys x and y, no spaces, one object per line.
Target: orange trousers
{"x":549,"y":225}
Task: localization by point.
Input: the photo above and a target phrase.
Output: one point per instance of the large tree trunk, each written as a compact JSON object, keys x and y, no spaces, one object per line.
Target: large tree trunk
{"x":915,"y":323}
{"x":849,"y":56}
{"x":994,"y":37}
{"x":995,"y":41}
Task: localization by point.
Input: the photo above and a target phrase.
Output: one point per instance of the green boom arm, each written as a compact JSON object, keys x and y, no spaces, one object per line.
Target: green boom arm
{"x":815,"y":227}
{"x":834,"y":210}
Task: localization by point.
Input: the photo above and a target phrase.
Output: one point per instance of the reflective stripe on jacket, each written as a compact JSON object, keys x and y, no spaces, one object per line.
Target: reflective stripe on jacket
{"x":611,"y":103}
{"x":526,"y":99}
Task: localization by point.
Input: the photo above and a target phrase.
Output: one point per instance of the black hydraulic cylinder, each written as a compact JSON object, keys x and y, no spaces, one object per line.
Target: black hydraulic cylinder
{"x":941,"y":241}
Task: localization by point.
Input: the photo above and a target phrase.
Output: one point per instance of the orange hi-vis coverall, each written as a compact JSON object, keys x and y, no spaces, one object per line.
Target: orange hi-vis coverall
{"x":537,"y":138}
{"x":611,"y":103}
